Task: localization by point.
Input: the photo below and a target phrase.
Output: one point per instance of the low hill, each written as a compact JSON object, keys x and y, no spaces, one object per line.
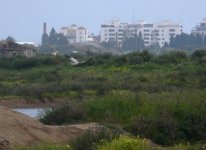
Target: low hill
{"x":17,"y":129}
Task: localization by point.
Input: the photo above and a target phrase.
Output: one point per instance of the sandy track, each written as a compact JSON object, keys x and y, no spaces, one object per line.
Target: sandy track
{"x":21,"y":130}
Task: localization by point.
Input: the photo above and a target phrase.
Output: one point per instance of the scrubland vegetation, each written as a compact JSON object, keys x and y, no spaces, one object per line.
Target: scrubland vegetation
{"x":161,"y":98}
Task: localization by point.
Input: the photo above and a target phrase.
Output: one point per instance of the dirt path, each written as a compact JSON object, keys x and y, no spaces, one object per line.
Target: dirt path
{"x":20,"y":130}
{"x":16,"y":103}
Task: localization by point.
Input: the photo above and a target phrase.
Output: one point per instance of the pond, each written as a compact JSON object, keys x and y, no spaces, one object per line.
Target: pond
{"x":32,"y":112}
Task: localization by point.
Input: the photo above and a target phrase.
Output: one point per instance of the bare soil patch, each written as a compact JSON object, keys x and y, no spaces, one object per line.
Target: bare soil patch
{"x":17,"y":129}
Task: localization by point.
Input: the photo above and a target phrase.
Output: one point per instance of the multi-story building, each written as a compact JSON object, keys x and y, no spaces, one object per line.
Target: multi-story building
{"x":152,"y":34}
{"x":200,"y":28}
{"x":113,"y":31}
{"x":76,"y":34}
{"x":163,"y":31}
{"x":147,"y":30}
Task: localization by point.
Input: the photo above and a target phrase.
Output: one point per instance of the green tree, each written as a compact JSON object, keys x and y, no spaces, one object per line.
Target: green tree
{"x":53,"y":37}
{"x":199,"y":54}
{"x":61,"y":39}
{"x":45,"y":40}
{"x":10,"y":39}
{"x":109,"y":44}
{"x":134,"y":43}
{"x":172,"y":41}
{"x":187,"y":41}
{"x":54,"y":40}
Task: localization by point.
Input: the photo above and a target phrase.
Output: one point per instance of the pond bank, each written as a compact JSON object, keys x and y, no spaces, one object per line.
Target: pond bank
{"x":21,"y":103}
{"x":21,"y":130}
{"x":31,"y":112}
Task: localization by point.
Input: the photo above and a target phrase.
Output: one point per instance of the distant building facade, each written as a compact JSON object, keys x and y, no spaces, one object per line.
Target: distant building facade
{"x":113,"y":31}
{"x":76,"y":34}
{"x":151,"y":33}
{"x":200,"y":28}
{"x":9,"y":49}
{"x":163,"y":31}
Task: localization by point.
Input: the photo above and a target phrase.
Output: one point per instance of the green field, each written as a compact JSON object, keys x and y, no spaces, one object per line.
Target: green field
{"x":161,"y":98}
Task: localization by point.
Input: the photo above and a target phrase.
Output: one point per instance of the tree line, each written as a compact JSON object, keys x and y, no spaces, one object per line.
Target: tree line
{"x":183,"y":41}
{"x":54,"y":41}
{"x":187,"y":41}
{"x":57,"y":41}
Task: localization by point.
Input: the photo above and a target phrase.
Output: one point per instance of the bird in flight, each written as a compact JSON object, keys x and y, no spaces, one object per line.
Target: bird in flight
{"x":75,"y":62}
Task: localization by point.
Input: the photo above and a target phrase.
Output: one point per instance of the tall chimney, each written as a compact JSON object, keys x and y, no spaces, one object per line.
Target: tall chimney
{"x":44,"y":29}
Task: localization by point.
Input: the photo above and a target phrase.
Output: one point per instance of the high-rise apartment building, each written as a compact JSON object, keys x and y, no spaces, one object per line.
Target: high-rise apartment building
{"x":113,"y":31}
{"x":200,"y":28}
{"x":76,"y":34}
{"x":152,"y":34}
{"x":163,"y":31}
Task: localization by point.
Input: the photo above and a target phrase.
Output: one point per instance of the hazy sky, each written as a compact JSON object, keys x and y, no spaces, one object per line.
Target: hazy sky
{"x":23,"y":19}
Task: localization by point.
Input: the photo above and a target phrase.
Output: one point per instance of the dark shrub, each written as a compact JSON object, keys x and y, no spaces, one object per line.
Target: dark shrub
{"x":162,"y":130}
{"x":91,"y":139}
{"x":121,"y":60}
{"x":173,"y":57}
{"x":69,"y":113}
{"x":146,"y":56}
{"x":198,"y":54}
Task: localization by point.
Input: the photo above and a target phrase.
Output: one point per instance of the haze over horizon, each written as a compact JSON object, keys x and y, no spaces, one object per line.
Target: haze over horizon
{"x":24,"y":19}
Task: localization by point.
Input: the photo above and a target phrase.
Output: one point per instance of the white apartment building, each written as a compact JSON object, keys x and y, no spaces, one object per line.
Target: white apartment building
{"x":113,"y":31}
{"x":76,"y":34}
{"x":200,"y":28}
{"x":163,"y":31}
{"x":81,"y":35}
{"x":151,"y":33}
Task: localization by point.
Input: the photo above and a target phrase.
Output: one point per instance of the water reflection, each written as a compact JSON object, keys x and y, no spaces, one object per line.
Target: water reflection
{"x":32,"y":112}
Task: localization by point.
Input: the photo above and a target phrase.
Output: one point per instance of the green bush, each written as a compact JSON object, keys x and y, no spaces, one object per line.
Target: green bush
{"x":69,"y":113}
{"x":26,"y":63}
{"x":136,"y":143}
{"x":127,"y":143}
{"x":173,"y":57}
{"x":171,"y":118}
{"x":91,"y":139}
{"x":112,"y":108}
{"x":198,"y":54}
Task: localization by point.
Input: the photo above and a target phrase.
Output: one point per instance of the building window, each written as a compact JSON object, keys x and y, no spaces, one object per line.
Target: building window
{"x":148,"y":25}
{"x":146,"y":34}
{"x":172,"y":30}
{"x":111,"y":30}
{"x":105,"y":26}
{"x":111,"y":34}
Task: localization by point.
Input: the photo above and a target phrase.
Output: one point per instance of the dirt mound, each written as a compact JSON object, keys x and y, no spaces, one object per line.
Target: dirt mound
{"x":18,"y":129}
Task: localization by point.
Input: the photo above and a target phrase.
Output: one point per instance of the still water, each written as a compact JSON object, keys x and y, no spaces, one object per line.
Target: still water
{"x":32,"y":112}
